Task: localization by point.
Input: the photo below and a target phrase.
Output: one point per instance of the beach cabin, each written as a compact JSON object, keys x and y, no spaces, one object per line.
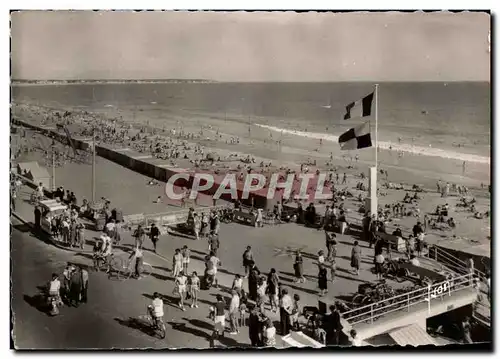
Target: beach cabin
{"x":34,"y":172}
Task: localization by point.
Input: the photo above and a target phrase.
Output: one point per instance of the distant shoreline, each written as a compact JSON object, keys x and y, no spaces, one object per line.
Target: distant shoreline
{"x":104,"y":82}
{"x":206,"y":81}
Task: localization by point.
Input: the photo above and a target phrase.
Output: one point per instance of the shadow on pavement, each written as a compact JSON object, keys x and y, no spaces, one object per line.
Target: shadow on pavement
{"x":353,"y":278}
{"x":136,"y":323}
{"x":198,"y":258}
{"x":199,"y":252}
{"x":343,"y":270}
{"x":181,"y":235}
{"x":162,"y":268}
{"x":200,"y":323}
{"x":161,"y":277}
{"x":345,"y":298}
{"x":85,"y":255}
{"x":23,"y":228}
{"x":90,"y":242}
{"x":38,"y":302}
{"x":182,"y":327}
{"x":225,"y":271}
{"x":27,"y":228}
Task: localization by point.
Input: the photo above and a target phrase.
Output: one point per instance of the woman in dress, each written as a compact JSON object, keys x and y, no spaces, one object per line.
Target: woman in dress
{"x":194,"y":288}
{"x":261,"y":293}
{"x":355,"y":257}
{"x":252,"y":283}
{"x":322,"y":280}
{"x":299,"y":268}
{"x":181,"y":285}
{"x":273,"y":282}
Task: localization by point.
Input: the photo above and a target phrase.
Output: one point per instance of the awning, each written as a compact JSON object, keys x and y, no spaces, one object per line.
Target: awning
{"x":412,"y":335}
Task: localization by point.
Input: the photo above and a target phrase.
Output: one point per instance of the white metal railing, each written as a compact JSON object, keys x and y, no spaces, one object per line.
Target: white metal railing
{"x":405,"y":301}
{"x":444,"y":257}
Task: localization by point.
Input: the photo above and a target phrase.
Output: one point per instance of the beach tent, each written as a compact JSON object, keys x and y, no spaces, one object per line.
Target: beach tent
{"x":34,"y":172}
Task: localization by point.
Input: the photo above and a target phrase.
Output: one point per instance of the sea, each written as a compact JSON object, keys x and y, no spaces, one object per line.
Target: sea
{"x":450,"y":120}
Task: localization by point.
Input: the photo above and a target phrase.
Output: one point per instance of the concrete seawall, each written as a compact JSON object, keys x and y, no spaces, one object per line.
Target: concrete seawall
{"x":141,"y":163}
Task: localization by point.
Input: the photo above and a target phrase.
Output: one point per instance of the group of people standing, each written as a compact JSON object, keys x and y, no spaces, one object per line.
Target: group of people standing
{"x":74,"y":287}
{"x":204,"y":225}
{"x":66,"y":227}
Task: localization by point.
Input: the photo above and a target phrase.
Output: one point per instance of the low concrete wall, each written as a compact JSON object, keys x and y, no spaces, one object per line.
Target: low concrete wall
{"x":141,"y":166}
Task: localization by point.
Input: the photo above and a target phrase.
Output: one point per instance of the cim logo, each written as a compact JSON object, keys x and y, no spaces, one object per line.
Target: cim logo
{"x":440,"y":290}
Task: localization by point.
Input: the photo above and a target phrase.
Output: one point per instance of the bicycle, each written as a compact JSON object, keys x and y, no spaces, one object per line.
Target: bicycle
{"x":155,"y":324}
{"x":115,"y":264}
{"x":127,"y":270}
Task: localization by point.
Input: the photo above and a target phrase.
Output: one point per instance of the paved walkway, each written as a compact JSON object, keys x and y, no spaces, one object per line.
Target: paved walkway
{"x":272,"y":246}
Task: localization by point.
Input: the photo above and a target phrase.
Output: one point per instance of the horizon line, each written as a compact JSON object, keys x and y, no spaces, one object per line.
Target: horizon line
{"x":238,"y":81}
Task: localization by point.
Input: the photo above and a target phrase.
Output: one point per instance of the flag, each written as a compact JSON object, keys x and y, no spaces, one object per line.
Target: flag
{"x":356,"y":138}
{"x":361,"y":108}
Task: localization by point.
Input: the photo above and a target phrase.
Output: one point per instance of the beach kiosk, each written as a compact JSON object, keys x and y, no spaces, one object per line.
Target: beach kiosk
{"x":50,"y":209}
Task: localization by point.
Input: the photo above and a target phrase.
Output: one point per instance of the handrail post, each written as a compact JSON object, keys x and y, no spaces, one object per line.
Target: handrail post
{"x":371,"y":313}
{"x":408,"y":302}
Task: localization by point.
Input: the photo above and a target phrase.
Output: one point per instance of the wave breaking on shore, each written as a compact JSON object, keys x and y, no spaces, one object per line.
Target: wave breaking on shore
{"x":416,"y":150}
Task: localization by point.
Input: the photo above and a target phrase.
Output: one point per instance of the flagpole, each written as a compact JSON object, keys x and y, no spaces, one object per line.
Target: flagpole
{"x":374,"y":192}
{"x":376,"y":127}
{"x":93,"y":165}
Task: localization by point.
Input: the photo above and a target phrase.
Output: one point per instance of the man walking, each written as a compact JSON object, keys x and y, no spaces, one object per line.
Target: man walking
{"x":137,"y":253}
{"x":154,"y":235}
{"x":247,"y":260}
{"x":139,"y":236}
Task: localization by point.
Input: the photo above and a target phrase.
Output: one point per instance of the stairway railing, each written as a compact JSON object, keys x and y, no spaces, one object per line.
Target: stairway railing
{"x":454,"y":263}
{"x":430,"y":294}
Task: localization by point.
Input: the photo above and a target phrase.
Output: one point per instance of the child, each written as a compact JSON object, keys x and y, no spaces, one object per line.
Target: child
{"x":194,"y":288}
{"x":243,"y":311}
{"x":321,"y":257}
{"x":296,"y":312}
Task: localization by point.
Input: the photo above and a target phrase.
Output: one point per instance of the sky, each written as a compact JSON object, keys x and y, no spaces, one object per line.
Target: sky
{"x":259,"y":46}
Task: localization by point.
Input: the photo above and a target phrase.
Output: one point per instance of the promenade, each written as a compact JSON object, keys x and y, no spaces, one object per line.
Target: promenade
{"x":271,"y":247}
